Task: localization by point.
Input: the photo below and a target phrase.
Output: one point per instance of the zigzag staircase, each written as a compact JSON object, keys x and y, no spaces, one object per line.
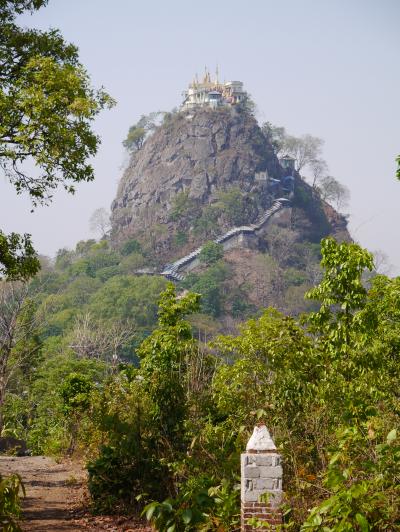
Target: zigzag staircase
{"x":171,"y":271}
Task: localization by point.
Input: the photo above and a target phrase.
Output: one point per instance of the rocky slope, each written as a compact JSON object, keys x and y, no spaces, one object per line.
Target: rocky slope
{"x":200,"y":174}
{"x":199,"y":152}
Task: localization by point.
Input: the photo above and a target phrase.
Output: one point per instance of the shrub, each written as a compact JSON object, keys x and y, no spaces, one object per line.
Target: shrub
{"x":132,"y":246}
{"x":10,"y":506}
{"x":215,"y":508}
{"x":181,"y":238}
{"x":211,"y":252}
{"x":363,"y":494}
{"x":182,"y":206}
{"x":122,"y":473}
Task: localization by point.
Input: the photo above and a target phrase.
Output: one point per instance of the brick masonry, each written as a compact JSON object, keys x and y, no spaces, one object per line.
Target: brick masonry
{"x":261,"y":511}
{"x":261,"y":482}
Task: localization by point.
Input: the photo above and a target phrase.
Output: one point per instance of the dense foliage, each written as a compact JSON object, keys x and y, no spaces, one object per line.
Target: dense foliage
{"x":11,"y":489}
{"x":83,"y":315}
{"x":18,"y":258}
{"x":325,"y":386}
{"x":47,"y":106}
{"x":162,"y":416}
{"x":166,"y":432}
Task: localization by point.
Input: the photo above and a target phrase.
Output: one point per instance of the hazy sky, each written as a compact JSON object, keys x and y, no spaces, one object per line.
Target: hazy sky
{"x":325,"y":67}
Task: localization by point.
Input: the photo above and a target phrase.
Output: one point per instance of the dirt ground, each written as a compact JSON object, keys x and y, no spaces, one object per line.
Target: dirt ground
{"x":55,"y":497}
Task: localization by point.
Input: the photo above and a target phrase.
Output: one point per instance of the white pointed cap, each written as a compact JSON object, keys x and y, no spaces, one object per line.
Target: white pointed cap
{"x":260,"y":440}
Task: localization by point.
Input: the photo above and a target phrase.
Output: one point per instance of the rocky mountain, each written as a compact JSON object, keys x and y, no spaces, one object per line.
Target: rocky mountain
{"x":204,"y":171}
{"x":198,"y":152}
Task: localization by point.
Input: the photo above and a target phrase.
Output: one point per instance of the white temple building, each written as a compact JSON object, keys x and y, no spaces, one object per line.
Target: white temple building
{"x":212,"y":93}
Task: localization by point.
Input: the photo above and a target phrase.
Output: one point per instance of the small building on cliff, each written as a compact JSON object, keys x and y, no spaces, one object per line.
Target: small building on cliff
{"x":212,"y":93}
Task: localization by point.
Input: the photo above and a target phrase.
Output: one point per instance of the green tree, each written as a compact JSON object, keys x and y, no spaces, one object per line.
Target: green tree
{"x":45,"y":423}
{"x":211,"y":252}
{"x":135,"y":138}
{"x":207,"y":224}
{"x":361,"y":481}
{"x":276,"y":135}
{"x":398,"y":167}
{"x":75,"y":392}
{"x":210,"y":285}
{"x":18,"y":260}
{"x":163,"y":361}
{"x":247,"y":106}
{"x":138,"y":132}
{"x":126,"y":297}
{"x":238,"y":208}
{"x":341,"y":294}
{"x":269,"y":365}
{"x":46,"y":106}
{"x":19,"y":342}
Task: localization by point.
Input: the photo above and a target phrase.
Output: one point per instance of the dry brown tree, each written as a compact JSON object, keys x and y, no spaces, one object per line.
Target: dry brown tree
{"x":91,"y":338}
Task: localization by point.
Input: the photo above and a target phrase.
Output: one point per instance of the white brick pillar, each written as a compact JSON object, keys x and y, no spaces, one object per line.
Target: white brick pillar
{"x":261,"y":472}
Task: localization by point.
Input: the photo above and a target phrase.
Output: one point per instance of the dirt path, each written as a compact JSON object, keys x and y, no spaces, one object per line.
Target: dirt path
{"x":55,"y":497}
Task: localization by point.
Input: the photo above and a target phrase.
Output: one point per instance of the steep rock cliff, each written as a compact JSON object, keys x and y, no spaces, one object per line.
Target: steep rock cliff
{"x":201,"y":173}
{"x":198,"y":152}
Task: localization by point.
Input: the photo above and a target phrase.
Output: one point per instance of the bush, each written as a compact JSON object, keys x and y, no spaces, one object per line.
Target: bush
{"x":180,"y":238}
{"x":123,"y":472}
{"x":215,"y":508}
{"x":10,"y":505}
{"x":211,"y":252}
{"x":132,"y":246}
{"x":364,"y":495}
{"x":182,"y":206}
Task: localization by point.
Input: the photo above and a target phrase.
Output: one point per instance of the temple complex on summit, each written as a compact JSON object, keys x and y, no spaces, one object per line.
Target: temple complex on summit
{"x":212,"y":93}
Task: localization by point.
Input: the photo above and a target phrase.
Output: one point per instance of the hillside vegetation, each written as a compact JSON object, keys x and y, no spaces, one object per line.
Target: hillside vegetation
{"x":167,"y":433}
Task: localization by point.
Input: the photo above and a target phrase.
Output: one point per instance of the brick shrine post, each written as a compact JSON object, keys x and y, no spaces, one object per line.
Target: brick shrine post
{"x":261,"y":472}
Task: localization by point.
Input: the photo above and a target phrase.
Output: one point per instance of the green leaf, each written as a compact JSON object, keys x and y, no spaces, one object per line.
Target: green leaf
{"x":391,"y":436}
{"x":187,"y":516}
{"x":149,"y":510}
{"x":260,"y":413}
{"x":361,"y":520}
{"x":326,"y":505}
{"x":167,"y":505}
